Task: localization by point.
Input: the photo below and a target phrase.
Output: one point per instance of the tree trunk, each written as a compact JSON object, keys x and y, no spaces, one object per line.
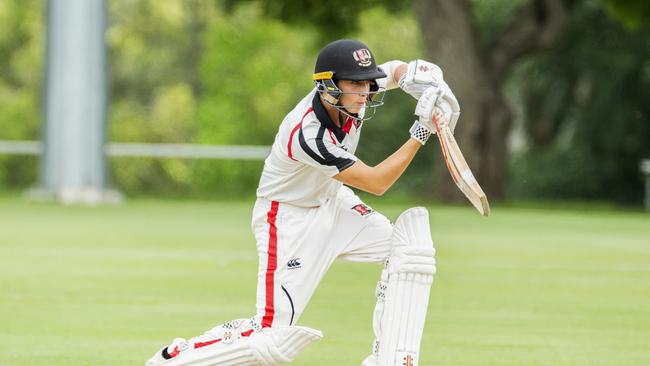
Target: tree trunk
{"x":450,"y":39}
{"x":476,"y":74}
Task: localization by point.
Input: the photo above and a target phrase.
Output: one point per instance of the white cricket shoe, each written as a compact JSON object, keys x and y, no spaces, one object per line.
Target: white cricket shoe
{"x":226,"y":333}
{"x":166,"y":353}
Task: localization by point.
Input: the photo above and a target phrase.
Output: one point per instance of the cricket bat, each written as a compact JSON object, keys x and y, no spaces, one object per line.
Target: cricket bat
{"x":460,"y":172}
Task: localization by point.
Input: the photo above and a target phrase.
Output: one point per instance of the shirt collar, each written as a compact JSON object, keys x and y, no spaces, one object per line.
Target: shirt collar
{"x":324,"y":118}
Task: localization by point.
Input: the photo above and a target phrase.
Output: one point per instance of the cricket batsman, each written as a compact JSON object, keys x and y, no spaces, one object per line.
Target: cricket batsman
{"x":305,"y":217}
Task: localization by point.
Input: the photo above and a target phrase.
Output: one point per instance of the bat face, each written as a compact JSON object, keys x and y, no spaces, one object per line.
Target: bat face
{"x":460,"y":172}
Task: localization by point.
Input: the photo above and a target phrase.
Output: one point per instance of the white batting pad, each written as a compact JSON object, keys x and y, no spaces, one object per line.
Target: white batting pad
{"x":412,"y":229}
{"x":268,"y":347}
{"x":410,"y":268}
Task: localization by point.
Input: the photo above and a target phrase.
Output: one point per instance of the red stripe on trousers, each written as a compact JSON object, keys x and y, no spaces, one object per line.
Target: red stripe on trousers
{"x":271,"y":265}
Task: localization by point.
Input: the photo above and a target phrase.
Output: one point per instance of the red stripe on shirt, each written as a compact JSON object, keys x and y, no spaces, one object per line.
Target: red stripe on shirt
{"x":332,"y":137}
{"x":271,"y":265}
{"x":348,"y":124}
{"x":299,"y":125}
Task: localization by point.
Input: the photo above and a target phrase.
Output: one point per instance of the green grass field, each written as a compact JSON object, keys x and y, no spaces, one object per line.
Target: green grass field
{"x":110,"y":285}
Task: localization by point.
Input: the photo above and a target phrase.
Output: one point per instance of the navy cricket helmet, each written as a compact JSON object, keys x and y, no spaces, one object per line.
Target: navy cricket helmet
{"x":347,"y":59}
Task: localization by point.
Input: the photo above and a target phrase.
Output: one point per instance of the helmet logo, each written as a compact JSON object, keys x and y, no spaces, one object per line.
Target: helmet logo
{"x":363,"y":57}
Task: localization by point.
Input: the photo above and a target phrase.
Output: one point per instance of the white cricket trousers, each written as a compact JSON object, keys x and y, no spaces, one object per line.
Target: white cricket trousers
{"x":297,"y":245}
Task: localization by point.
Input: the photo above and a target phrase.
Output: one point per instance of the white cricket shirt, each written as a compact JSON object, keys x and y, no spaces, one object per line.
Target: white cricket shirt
{"x":309,"y":149}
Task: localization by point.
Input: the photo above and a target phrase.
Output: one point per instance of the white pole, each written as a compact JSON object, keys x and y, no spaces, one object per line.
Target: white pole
{"x":73,"y":167}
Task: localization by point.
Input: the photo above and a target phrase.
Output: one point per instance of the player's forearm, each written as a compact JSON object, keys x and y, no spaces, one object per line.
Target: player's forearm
{"x":378,"y":179}
{"x":388,"y":171}
{"x":394,"y":70}
{"x":399,"y":71}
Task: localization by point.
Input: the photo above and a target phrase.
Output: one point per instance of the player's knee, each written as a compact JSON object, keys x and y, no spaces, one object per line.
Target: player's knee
{"x":412,"y":247}
{"x":412,"y":229}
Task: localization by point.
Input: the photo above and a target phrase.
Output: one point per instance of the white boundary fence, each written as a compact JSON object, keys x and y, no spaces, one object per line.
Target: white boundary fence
{"x":194,"y":151}
{"x":189,"y":151}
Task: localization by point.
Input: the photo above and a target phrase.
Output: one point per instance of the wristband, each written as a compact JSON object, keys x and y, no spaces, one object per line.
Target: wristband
{"x":420,"y":132}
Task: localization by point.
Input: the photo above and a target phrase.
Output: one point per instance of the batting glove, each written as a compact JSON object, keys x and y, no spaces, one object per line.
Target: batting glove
{"x":420,"y":76}
{"x":429,"y":115}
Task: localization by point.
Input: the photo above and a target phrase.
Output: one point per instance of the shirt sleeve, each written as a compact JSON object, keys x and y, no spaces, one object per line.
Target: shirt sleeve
{"x":316,"y":147}
{"x":389,"y":68}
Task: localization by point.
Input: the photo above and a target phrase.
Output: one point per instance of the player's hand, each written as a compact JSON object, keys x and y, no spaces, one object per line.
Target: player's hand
{"x":430,"y":116}
{"x":419,"y":76}
{"x":449,"y":106}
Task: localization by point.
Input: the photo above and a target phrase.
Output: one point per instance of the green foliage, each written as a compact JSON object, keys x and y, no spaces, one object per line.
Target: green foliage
{"x":21,"y":55}
{"x":254,"y":70}
{"x":18,"y":121}
{"x":588,"y":116}
{"x":557,"y":174}
{"x":492,"y":15}
{"x":334,"y":18}
{"x":634,"y":14}
{"x":155,"y":91}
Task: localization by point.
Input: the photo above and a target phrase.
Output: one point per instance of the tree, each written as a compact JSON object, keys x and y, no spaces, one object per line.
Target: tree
{"x":334,"y":18}
{"x":156,"y":49}
{"x":21,"y":55}
{"x":477,"y":69}
{"x":586,"y":111}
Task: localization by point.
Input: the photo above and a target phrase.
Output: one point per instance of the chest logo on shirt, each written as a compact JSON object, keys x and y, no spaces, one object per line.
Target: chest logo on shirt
{"x":362,"y":209}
